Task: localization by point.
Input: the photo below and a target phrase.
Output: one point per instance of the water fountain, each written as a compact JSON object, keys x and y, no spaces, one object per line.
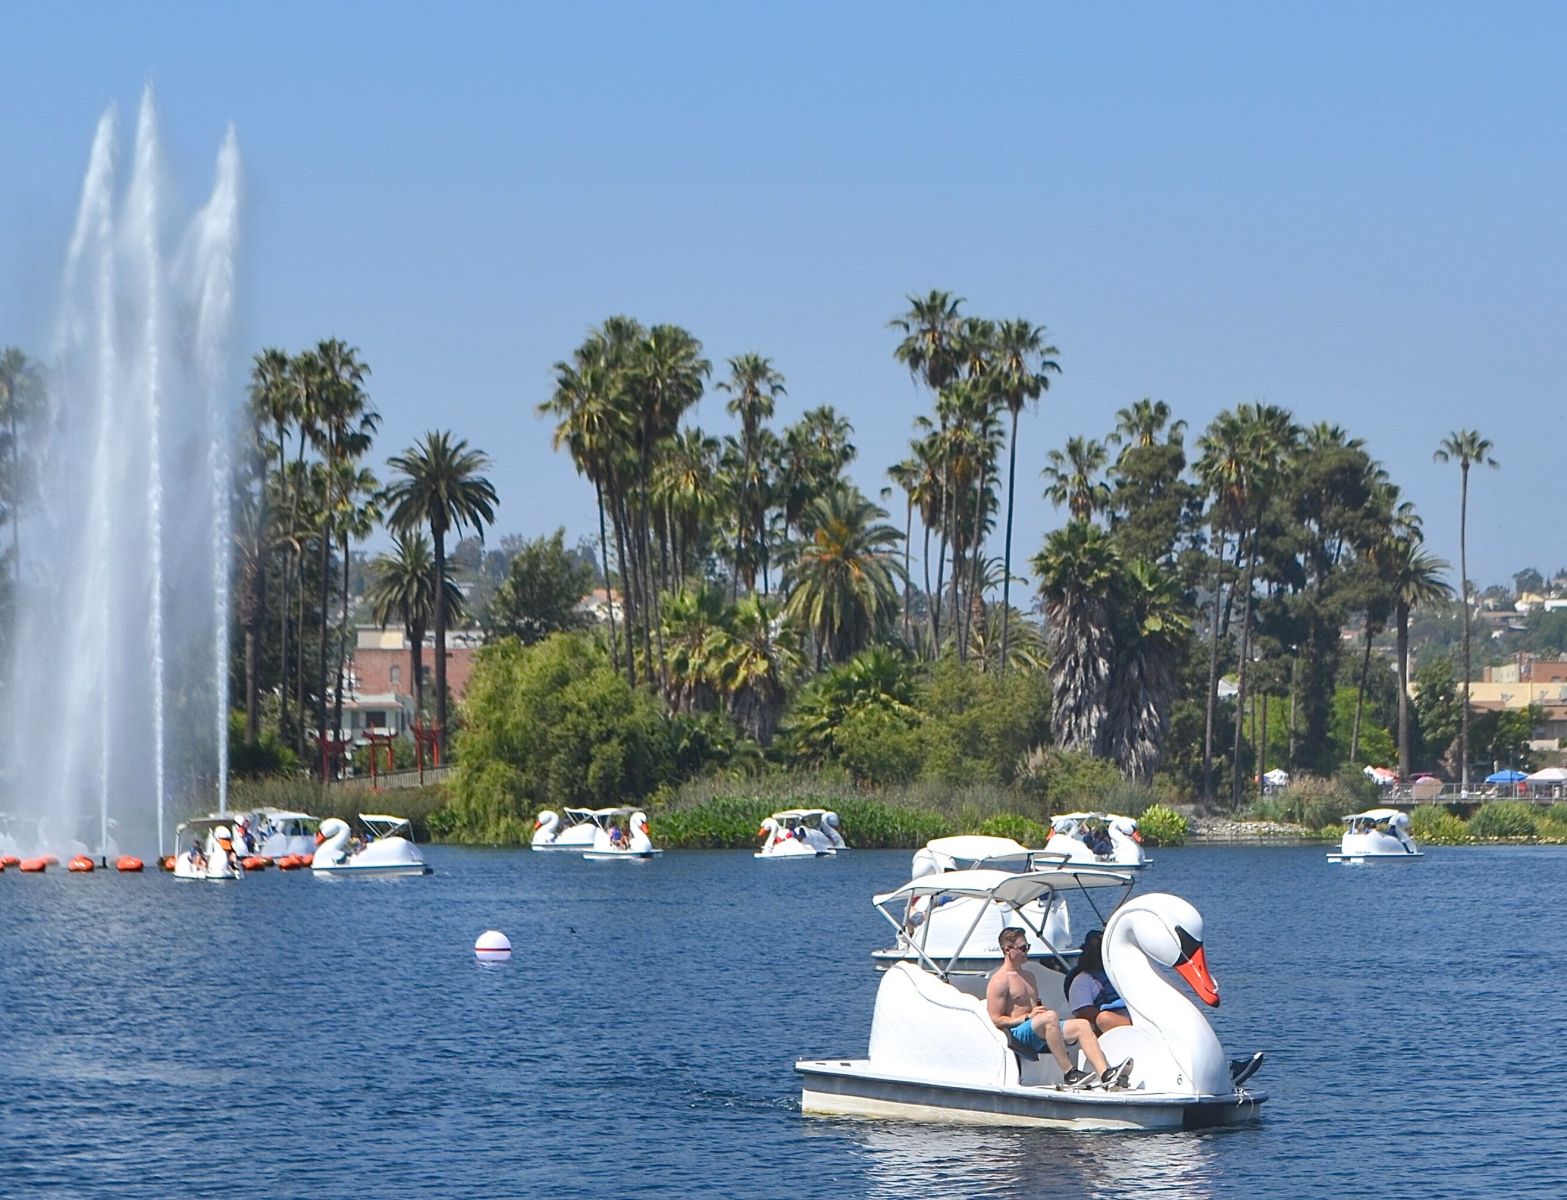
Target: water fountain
{"x":115,"y":701}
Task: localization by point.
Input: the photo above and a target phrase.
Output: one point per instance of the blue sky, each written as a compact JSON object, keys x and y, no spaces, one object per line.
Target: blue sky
{"x":1354,"y":211}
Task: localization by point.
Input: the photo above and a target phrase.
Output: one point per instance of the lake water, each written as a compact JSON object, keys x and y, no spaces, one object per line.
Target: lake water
{"x":293,"y":1036}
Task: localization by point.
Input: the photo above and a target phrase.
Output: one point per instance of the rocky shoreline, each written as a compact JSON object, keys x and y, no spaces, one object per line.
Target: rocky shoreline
{"x":1229,"y":829}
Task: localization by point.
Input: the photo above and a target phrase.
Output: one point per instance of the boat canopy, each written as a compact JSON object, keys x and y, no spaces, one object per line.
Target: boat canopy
{"x":967,"y":851}
{"x":1374,"y":814}
{"x":282,"y":814}
{"x":210,"y":822}
{"x":799,"y":814}
{"x":1004,"y":887}
{"x":383,"y":825}
{"x":1019,"y":892}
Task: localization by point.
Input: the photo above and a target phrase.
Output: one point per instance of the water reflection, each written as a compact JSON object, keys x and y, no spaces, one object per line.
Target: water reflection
{"x":956,"y":1161}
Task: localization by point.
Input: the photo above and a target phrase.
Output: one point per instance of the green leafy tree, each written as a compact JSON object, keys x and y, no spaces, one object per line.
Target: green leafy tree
{"x":1437,"y":705}
{"x":540,"y":594}
{"x":550,"y":725}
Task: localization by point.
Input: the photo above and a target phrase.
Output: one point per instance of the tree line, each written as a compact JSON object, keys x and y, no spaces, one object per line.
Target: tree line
{"x":748,"y":576}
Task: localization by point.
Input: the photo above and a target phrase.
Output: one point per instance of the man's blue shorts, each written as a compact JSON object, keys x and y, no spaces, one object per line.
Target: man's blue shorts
{"x":1026,"y":1035}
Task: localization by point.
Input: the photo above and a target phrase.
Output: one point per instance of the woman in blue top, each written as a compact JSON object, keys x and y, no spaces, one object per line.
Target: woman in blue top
{"x":1089,"y":993}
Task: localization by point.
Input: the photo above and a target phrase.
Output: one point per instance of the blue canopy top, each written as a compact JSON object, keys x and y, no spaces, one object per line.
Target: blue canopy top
{"x":1507,"y":776}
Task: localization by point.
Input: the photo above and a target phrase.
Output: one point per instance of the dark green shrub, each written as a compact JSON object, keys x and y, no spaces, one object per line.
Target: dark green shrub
{"x":1503,"y":819}
{"x":1436,"y":826}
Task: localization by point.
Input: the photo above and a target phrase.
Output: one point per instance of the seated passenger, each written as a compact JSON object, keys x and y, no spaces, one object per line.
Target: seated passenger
{"x":1089,"y":992}
{"x":1012,"y":1002}
{"x":617,"y":839}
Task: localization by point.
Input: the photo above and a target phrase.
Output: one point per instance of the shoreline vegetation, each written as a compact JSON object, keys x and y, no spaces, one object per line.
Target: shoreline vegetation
{"x":725,"y":814}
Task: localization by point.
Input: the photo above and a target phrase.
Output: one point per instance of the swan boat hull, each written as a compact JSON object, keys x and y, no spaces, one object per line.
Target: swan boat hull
{"x":1366,"y":856}
{"x":376,"y":870}
{"x":850,"y":1088}
{"x":615,"y":855}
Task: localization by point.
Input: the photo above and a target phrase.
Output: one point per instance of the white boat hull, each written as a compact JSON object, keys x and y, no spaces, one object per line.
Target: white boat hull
{"x":614,"y":855}
{"x":375,"y":870}
{"x":1372,"y":856}
{"x":837,"y":1087}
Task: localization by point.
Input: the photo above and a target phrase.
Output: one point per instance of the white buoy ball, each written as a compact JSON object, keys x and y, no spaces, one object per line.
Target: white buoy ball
{"x":492,"y":946}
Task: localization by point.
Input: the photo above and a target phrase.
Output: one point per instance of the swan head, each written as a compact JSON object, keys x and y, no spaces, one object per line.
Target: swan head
{"x":330,"y":828}
{"x":769,"y":828}
{"x":638,"y":822}
{"x":1169,"y":931}
{"x":831,"y":818}
{"x":1127,"y":828}
{"x":547,"y":817}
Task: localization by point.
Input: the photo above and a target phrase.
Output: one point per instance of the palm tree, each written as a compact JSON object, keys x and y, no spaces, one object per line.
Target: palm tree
{"x":753,"y":659}
{"x":440,"y":485}
{"x":1470,"y":449}
{"x":1024,"y":363}
{"x":753,"y":387}
{"x":402,"y":589}
{"x":1140,"y":425}
{"x":690,"y":617}
{"x":1151,"y":629}
{"x":345,"y":426}
{"x":1414,"y":579}
{"x":933,"y":350}
{"x":597,"y":432}
{"x":1071,"y":478}
{"x":1077,"y":572}
{"x":841,"y":577}
{"x":21,"y":393}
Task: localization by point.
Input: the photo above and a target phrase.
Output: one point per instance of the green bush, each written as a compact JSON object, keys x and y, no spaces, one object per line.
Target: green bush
{"x":1064,"y":780}
{"x":1436,"y":826}
{"x":1161,"y":826}
{"x":1310,"y":801}
{"x":552,"y":725}
{"x":1019,"y":828}
{"x":1503,"y":819}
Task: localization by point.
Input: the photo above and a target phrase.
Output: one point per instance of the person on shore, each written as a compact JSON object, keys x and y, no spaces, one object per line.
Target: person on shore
{"x":1012,"y":1002}
{"x":1089,"y":993}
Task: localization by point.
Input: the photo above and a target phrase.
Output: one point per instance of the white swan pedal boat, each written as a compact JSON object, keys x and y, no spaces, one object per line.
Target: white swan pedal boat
{"x":1378,"y":834}
{"x":801,"y":833}
{"x":276,"y":833}
{"x":634,"y":842}
{"x":204,"y":849}
{"x":1104,"y":838}
{"x":386,"y":851}
{"x":575,"y":833}
{"x":961,"y":927}
{"x":935,"y":1055}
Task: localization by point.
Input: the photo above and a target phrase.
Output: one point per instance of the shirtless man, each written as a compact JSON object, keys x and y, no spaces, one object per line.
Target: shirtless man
{"x":1012,"y":1000}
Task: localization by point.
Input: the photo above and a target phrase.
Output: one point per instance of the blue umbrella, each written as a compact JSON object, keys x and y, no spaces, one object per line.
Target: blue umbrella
{"x":1507,"y":776}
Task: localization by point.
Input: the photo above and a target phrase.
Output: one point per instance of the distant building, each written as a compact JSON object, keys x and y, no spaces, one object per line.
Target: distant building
{"x":378,"y":691}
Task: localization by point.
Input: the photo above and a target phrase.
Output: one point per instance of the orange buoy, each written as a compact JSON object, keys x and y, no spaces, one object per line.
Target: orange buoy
{"x":128,"y":862}
{"x":9,"y":860}
{"x":33,"y":865}
{"x":80,"y":864}
{"x":257,"y":862}
{"x":166,"y":863}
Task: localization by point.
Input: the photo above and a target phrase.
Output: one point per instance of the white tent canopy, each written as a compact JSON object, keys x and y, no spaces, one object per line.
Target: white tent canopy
{"x":1548,"y":775}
